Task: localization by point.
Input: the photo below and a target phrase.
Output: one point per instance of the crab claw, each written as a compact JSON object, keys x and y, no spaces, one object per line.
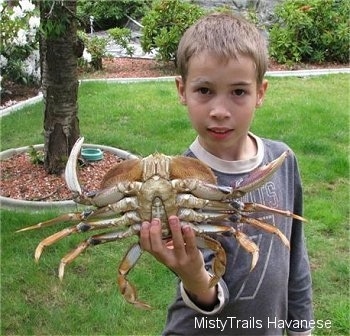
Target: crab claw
{"x":258,"y":176}
{"x":70,"y":173}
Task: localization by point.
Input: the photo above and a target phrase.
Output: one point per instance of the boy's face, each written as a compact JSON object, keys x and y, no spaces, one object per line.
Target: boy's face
{"x":221,"y":97}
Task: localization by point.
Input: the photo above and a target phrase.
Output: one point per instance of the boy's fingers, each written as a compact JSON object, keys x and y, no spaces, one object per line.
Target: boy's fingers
{"x":181,"y":245}
{"x":190,"y":239}
{"x":155,"y":234}
{"x":150,"y":236}
{"x":178,"y":240}
{"x":144,"y":236}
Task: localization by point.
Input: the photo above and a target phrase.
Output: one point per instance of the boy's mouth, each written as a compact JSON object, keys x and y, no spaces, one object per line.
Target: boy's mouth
{"x":219,"y":132}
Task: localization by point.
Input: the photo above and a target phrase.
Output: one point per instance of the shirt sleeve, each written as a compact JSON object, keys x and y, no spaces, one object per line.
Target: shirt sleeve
{"x":223,"y":296}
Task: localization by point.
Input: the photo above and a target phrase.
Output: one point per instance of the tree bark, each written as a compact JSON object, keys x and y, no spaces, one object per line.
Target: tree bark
{"x":59,"y":83}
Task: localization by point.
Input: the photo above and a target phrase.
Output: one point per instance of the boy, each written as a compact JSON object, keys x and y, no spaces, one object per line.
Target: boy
{"x":222,"y":60}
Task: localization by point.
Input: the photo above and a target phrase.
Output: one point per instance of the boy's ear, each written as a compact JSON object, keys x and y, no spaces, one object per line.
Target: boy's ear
{"x":261,"y":93}
{"x":180,"y":85}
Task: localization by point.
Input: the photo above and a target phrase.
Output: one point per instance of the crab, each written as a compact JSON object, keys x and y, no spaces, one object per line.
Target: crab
{"x":159,"y":186}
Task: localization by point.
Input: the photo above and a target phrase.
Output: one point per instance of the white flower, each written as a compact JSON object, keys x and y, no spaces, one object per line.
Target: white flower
{"x":21,"y":38}
{"x":87,"y":56}
{"x":18,"y":13}
{"x":31,"y":65}
{"x":3,"y":61}
{"x":34,"y":22}
{"x":26,"y":5}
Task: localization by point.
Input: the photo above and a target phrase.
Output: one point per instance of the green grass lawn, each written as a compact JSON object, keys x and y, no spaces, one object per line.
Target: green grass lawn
{"x":310,"y":114}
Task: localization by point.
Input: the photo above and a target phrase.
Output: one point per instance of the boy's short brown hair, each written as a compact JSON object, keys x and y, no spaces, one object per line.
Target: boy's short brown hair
{"x":225,"y":35}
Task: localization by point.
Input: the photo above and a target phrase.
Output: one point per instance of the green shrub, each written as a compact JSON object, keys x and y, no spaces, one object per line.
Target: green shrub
{"x":96,"y":47}
{"x":108,"y":13}
{"x":36,"y":157}
{"x":122,"y":37}
{"x":164,"y":25}
{"x":311,"y":31}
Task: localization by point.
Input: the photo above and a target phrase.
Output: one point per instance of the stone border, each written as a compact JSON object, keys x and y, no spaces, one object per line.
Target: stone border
{"x":17,"y":204}
{"x":21,"y":104}
{"x":307,"y":72}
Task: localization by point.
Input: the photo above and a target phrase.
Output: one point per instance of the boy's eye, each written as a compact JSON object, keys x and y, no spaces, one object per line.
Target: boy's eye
{"x":204,"y":91}
{"x":239,"y":92}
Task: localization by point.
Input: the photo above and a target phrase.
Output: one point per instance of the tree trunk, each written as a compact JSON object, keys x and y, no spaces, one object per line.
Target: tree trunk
{"x":59,"y":82}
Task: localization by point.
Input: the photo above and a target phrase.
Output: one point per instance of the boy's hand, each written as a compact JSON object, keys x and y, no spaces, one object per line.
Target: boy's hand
{"x":183,"y":257}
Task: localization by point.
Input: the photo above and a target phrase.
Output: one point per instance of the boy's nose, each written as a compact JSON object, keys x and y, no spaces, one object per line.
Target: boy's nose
{"x":220,"y":111}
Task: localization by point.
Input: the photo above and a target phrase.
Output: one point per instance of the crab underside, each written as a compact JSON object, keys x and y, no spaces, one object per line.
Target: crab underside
{"x":159,"y":186}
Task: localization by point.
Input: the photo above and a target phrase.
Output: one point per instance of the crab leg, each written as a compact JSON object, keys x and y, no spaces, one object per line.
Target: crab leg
{"x":127,"y":289}
{"x":70,"y":217}
{"x":191,"y":215}
{"x":255,"y":207}
{"x":110,"y":195}
{"x":53,"y":239}
{"x":229,"y":207}
{"x":194,"y":216}
{"x":127,"y":219}
{"x":219,"y":261}
{"x":95,"y":240}
{"x":249,"y":246}
{"x":242,"y":239}
{"x":192,"y":202}
{"x":123,"y":205}
{"x":266,"y":227}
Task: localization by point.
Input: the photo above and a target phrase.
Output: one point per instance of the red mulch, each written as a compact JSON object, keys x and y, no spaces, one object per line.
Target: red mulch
{"x":20,"y":179}
{"x":14,"y":93}
{"x":131,"y":68}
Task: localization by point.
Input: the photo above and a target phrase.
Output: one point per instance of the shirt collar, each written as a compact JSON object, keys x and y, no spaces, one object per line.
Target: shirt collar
{"x":229,"y":167}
